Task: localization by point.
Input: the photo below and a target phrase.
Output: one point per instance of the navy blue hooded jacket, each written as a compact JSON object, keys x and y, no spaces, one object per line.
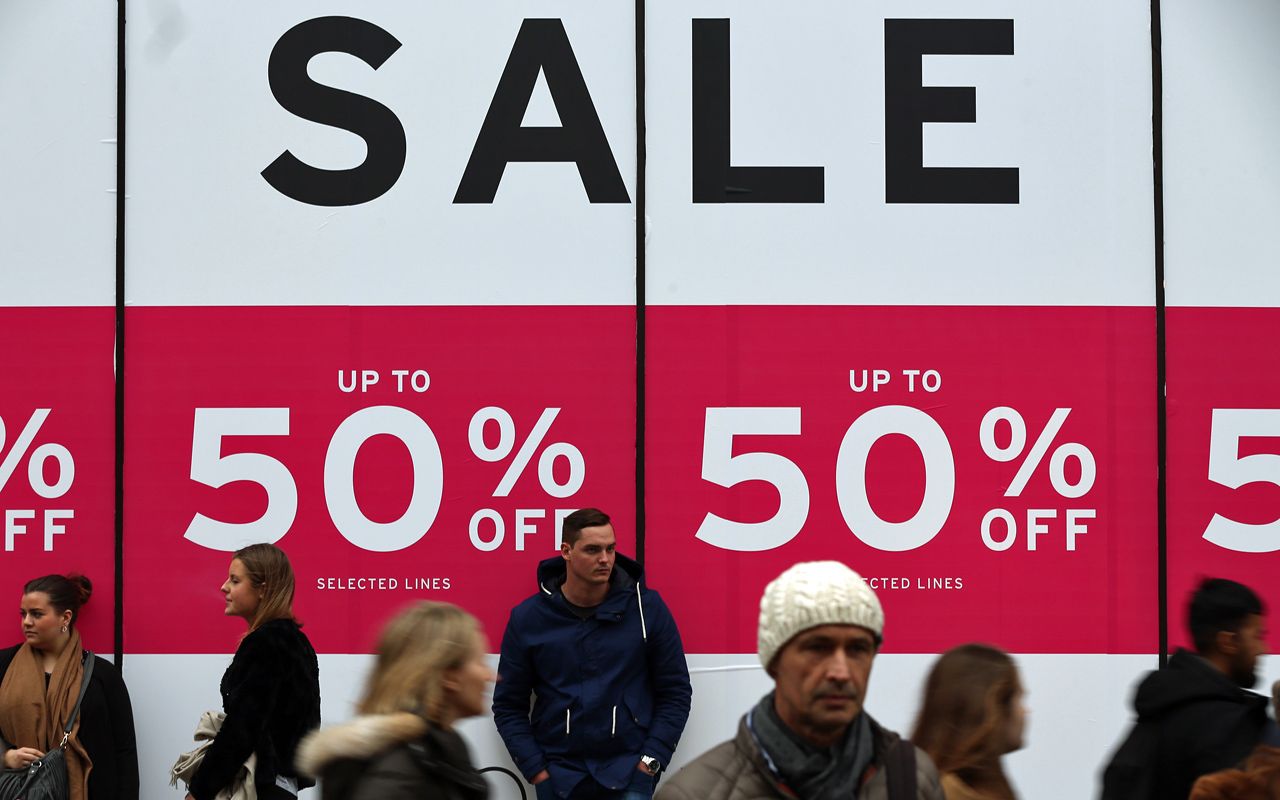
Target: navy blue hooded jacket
{"x":609,"y":688}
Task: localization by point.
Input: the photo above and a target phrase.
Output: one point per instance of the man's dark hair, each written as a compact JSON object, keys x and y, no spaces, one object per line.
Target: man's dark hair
{"x":1219,"y":605}
{"x":582,"y":518}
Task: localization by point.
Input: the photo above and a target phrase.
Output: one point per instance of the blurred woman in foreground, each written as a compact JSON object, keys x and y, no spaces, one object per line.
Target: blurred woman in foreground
{"x":431,"y":671}
{"x":972,"y":715}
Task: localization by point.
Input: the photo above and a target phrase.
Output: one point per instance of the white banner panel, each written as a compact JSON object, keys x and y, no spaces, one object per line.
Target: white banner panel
{"x":57,"y":153}
{"x":1221,"y":163}
{"x":57,"y":299}
{"x":1027,"y":182}
{"x":1221,"y":201}
{"x":1066,"y":742}
{"x":325,"y":153}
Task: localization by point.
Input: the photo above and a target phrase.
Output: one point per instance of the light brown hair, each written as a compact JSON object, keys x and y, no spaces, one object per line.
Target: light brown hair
{"x":416,"y":648}
{"x":964,"y":719}
{"x":270,"y":573}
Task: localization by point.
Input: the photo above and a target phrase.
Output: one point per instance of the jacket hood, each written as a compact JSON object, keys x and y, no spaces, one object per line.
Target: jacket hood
{"x":626,"y":574}
{"x":360,"y":739}
{"x":1187,"y":679}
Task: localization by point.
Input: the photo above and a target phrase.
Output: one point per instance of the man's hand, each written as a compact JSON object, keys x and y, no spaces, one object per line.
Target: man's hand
{"x":21,"y":757}
{"x":643,"y":767}
{"x":540,"y":777}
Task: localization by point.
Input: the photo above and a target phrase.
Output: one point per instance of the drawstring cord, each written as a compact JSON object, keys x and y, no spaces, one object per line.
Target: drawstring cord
{"x":644,"y":630}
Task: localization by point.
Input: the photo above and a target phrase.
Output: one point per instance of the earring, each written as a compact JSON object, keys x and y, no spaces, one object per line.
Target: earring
{"x":64,"y":628}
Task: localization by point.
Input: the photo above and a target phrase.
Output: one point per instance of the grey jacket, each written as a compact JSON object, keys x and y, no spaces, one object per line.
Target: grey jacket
{"x":736,"y":770}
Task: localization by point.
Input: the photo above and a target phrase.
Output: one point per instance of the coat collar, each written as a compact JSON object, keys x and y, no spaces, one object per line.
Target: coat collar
{"x":361,"y":739}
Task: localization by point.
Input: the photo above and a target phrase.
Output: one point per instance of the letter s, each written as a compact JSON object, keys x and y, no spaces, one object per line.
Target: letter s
{"x":366,"y":118}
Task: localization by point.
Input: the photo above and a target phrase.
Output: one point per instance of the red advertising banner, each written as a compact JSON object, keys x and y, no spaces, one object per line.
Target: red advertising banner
{"x":395,"y":453}
{"x":990,"y":470}
{"x":57,"y":455}
{"x":1224,"y":453}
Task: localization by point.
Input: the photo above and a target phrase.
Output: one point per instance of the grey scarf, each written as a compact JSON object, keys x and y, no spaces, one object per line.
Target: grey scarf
{"x":813,"y":773}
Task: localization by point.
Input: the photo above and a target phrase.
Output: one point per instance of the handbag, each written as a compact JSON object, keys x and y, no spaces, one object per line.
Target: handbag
{"x":46,"y":778}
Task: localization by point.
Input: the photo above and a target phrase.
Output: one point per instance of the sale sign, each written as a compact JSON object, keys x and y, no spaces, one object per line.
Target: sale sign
{"x":57,"y":454}
{"x":1224,"y":454}
{"x":57,"y":297}
{"x":395,"y":454}
{"x":1223,"y":293}
{"x":990,"y":471}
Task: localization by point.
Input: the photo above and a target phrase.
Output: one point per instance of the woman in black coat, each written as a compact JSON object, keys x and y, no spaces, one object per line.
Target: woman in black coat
{"x":431,"y":672}
{"x":49,"y":666}
{"x":271,"y":691}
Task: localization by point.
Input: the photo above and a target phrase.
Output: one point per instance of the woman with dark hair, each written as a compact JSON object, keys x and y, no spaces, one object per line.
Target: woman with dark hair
{"x":972,"y":715}
{"x":40,"y":684}
{"x":431,"y":672}
{"x":271,"y":691}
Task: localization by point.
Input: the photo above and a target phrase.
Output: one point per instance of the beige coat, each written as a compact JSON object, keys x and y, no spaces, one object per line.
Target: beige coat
{"x":736,"y":770}
{"x":185,"y":768}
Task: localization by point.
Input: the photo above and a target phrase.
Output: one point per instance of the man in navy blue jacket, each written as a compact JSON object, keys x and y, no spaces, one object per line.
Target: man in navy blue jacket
{"x":602,"y":655}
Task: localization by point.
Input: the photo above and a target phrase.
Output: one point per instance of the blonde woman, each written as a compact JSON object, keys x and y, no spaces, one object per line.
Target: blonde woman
{"x":431,"y":671}
{"x":271,"y":691}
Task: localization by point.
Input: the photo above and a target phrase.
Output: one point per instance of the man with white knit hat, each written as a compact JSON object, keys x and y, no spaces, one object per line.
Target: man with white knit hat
{"x":820,"y":629}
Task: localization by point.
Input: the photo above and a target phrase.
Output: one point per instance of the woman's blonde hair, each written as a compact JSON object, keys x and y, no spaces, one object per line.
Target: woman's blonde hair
{"x":415,"y":649}
{"x":269,"y":572}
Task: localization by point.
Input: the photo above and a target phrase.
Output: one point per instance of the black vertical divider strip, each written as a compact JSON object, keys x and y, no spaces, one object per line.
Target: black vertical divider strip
{"x":640,"y":281}
{"x":1162,"y":427}
{"x":119,"y":352}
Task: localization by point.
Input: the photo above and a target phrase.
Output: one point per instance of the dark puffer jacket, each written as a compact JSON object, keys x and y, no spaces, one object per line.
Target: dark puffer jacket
{"x":271,"y":695}
{"x":391,"y":757}
{"x":737,"y":770}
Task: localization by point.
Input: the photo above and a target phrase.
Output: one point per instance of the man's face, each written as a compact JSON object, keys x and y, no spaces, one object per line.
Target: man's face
{"x":1251,"y":644}
{"x":590,"y":559}
{"x":821,"y":677}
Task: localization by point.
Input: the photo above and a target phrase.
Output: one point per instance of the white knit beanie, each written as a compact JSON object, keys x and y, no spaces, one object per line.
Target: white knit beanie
{"x":811,"y":594}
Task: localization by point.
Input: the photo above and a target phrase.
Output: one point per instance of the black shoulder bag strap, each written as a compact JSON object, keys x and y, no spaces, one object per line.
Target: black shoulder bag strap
{"x":84,"y":687}
{"x":900,"y":771}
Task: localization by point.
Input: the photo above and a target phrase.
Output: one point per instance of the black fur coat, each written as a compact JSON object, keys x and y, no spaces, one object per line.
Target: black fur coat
{"x":271,"y":696}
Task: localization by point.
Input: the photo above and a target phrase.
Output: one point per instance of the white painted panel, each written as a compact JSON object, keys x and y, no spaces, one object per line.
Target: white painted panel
{"x":1079,"y":708}
{"x":205,"y":228}
{"x":1221,"y":162}
{"x":1071,"y":109}
{"x":57,"y":153}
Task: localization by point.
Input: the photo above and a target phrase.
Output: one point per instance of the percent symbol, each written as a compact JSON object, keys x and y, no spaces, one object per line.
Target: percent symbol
{"x":506,"y":444}
{"x":1018,"y":442}
{"x":36,"y":462}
